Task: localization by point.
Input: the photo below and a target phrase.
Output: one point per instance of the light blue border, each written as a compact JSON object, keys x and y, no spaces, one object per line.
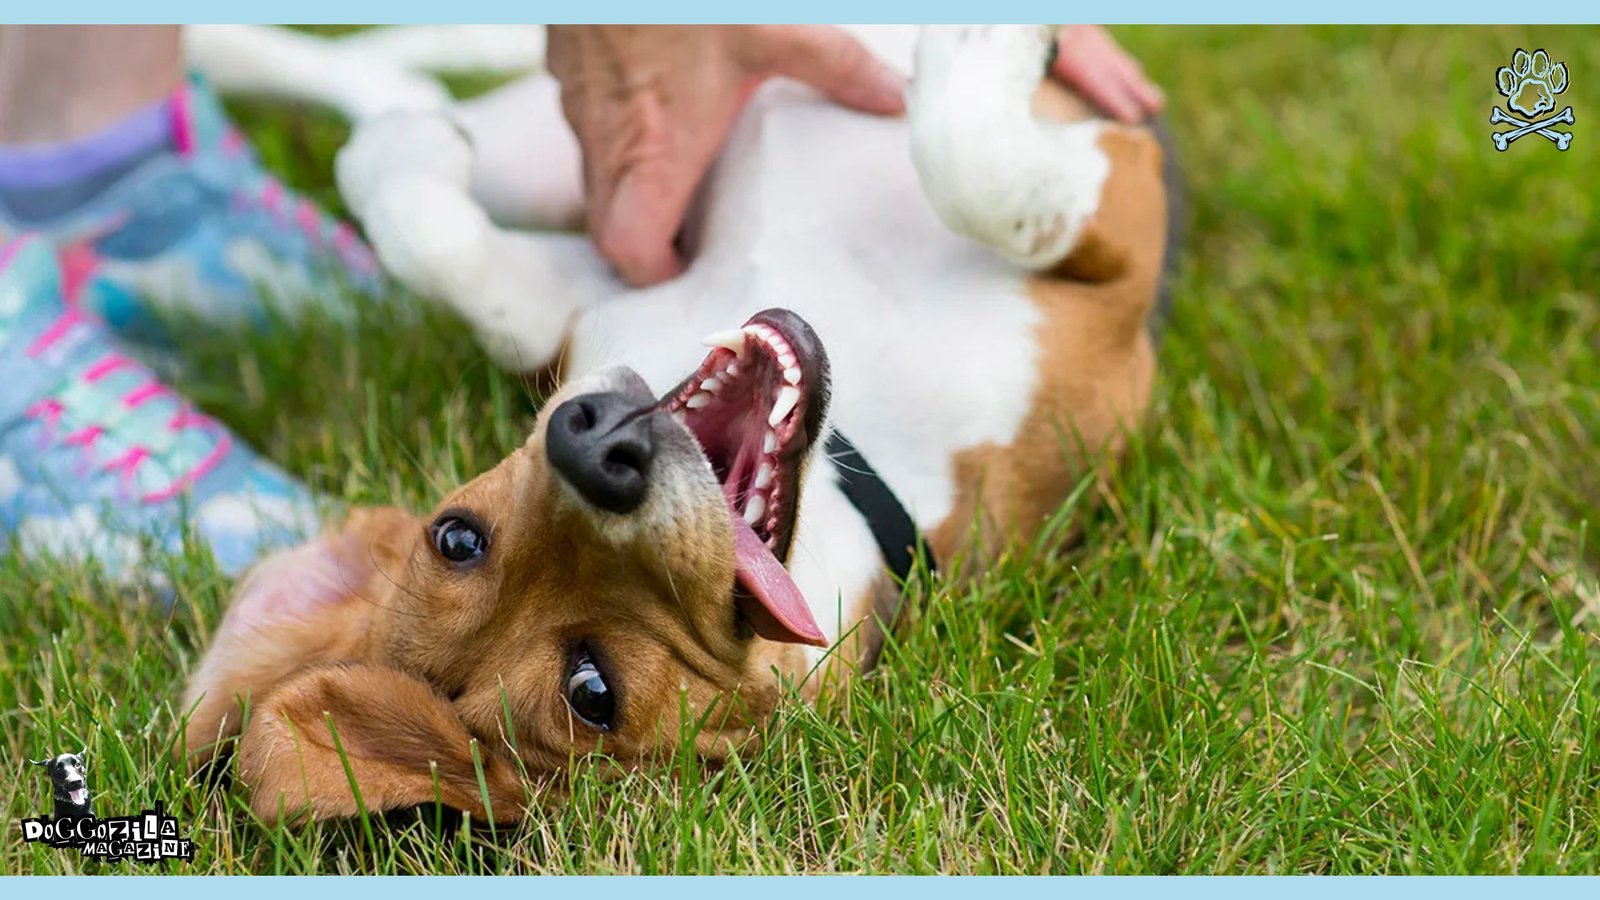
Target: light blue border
{"x":1118,"y":11}
{"x":808,"y":888}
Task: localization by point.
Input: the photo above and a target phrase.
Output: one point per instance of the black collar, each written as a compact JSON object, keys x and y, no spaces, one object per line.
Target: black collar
{"x":892,"y":528}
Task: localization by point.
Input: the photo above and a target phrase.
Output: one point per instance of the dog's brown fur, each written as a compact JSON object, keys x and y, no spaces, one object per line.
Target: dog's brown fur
{"x":412,"y":659}
{"x":1097,"y":368}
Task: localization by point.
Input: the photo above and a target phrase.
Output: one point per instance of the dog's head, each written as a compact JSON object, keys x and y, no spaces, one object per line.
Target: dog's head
{"x":619,"y":575}
{"x":67,"y":776}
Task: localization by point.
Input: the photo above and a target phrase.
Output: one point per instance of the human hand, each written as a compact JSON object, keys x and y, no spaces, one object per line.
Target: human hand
{"x":652,"y":104}
{"x":1090,"y":62}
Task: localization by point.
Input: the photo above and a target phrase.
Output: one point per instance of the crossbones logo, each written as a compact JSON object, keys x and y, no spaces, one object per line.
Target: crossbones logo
{"x":1530,"y":85}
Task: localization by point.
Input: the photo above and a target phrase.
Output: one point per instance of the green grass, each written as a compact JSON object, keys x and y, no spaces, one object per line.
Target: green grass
{"x":1337,"y":613}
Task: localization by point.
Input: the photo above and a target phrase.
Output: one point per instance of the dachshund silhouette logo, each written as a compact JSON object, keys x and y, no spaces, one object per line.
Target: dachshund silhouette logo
{"x":1530,"y":85}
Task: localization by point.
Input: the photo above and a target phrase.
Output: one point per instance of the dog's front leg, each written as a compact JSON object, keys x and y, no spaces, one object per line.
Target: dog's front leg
{"x":408,"y":178}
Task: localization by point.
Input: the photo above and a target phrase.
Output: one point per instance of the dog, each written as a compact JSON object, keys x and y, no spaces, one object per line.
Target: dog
{"x":69,"y":784}
{"x":919,"y":335}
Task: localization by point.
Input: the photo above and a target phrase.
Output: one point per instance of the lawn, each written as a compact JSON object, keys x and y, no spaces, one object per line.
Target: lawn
{"x":1338,"y":613}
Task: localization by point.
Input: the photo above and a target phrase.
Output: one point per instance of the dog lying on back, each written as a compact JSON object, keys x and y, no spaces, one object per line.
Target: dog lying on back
{"x":919,"y":335}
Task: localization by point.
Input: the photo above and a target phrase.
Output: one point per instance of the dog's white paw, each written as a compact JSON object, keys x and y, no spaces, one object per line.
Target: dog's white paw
{"x":393,"y":149}
{"x":992,"y":170}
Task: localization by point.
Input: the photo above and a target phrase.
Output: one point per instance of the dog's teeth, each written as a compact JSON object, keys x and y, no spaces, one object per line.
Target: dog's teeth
{"x":770,"y":442}
{"x":786,"y":360}
{"x":792,"y":374}
{"x":788,"y":397}
{"x":711,"y":384}
{"x":764,"y":475}
{"x":698,"y":400}
{"x":733,"y":339}
{"x":732,"y":369}
{"x":754,"y":509}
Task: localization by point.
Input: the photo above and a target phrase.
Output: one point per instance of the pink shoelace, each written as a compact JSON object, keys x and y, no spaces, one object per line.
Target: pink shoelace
{"x":302,"y":214}
{"x":51,"y":410}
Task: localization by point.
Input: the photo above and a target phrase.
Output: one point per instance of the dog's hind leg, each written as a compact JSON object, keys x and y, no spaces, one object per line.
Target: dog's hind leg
{"x":995,"y":158}
{"x":408,"y":177}
{"x":268,"y":61}
{"x":452,"y":48}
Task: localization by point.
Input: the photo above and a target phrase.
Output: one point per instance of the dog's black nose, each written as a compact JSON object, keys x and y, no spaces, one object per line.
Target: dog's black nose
{"x":602,"y":445}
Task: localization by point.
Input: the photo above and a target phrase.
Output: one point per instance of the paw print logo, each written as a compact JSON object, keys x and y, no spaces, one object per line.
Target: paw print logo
{"x":1531,"y":82}
{"x":1530,"y":85}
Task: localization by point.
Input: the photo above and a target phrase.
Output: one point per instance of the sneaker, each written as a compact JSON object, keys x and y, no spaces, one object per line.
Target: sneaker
{"x":100,"y":460}
{"x":199,"y":227}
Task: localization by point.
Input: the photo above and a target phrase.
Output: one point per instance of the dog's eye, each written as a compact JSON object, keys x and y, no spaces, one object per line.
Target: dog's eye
{"x":459,"y":540}
{"x":587,"y":693}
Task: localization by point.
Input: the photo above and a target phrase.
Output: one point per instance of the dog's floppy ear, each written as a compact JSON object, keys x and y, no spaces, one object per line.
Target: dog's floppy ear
{"x":40,"y":762}
{"x":405,"y":746}
{"x":302,"y":608}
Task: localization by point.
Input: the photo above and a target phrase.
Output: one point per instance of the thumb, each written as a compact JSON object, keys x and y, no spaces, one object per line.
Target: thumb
{"x":834,"y":63}
{"x":636,"y":228}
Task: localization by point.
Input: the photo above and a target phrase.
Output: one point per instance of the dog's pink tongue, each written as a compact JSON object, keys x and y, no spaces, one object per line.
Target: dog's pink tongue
{"x":779,"y":612}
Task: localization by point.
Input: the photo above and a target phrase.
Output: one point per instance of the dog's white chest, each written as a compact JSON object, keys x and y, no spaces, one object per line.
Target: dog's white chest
{"x":818,"y":210}
{"x":930,"y":336}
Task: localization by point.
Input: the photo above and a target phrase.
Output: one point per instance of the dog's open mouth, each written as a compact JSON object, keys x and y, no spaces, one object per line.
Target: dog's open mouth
{"x":78,"y":795}
{"x":756,"y":405}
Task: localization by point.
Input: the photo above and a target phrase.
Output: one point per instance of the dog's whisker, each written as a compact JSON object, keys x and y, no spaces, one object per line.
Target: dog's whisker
{"x":672,"y":587}
{"x":834,"y":459}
